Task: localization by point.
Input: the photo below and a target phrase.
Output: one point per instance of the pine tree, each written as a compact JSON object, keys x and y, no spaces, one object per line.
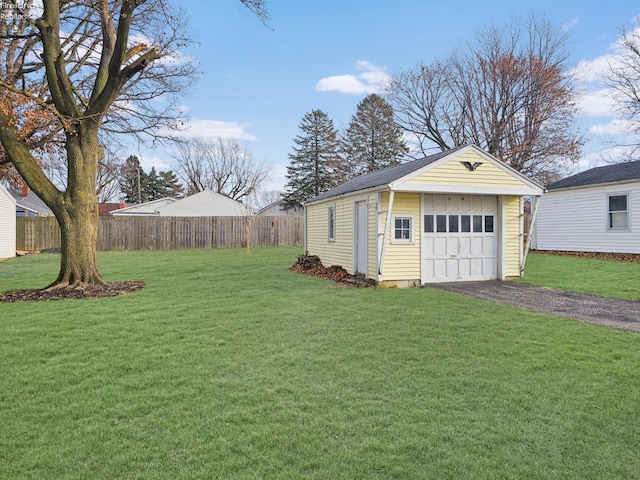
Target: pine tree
{"x":137,"y":186}
{"x":373,"y":140}
{"x":132,"y":179}
{"x":314,"y":158}
{"x":169,"y":185}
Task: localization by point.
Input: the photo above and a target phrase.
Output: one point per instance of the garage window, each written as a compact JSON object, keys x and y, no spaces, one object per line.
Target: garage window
{"x":618,"y":213}
{"x":459,"y":223}
{"x":331,"y":224}
{"x":402,"y":229}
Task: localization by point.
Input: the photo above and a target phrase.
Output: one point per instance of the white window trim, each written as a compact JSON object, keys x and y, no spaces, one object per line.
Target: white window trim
{"x":628,"y":212}
{"x":412,"y":228}
{"x":331,"y":219}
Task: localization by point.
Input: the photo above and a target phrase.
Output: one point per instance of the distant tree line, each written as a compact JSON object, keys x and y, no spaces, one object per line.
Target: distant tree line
{"x":323,"y":158}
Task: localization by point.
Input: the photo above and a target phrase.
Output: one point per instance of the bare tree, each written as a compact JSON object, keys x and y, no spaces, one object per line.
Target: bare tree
{"x":507,"y":91}
{"x":222,"y":165}
{"x":89,"y":68}
{"x":623,"y":78}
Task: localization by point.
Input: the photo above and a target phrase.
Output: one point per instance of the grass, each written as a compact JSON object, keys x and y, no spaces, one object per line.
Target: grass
{"x":607,"y":278}
{"x":235,"y":368}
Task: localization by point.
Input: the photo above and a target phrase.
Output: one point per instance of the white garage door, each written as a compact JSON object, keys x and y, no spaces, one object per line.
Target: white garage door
{"x":459,"y":238}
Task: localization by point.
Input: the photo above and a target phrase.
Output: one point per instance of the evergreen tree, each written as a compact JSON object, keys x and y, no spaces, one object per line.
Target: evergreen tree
{"x":169,"y":185}
{"x":373,"y":140}
{"x":137,"y":186}
{"x":314,"y":158}
{"x":132,"y":179}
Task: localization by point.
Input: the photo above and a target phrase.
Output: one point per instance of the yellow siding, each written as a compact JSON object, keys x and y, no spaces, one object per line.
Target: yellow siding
{"x":402,"y":262}
{"x":513,"y":239}
{"x":453,"y":172}
{"x":340,"y":251}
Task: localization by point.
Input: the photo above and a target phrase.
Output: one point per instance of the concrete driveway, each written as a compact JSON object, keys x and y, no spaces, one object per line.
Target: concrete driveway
{"x":609,"y":312}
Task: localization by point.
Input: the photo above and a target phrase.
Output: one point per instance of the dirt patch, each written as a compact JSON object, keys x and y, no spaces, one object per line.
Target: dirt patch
{"x":311,"y":265}
{"x":98,"y":291}
{"x":619,"y":257}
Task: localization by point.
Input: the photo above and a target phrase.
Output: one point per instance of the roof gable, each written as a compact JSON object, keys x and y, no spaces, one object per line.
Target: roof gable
{"x":468,"y":167}
{"x":619,"y":172}
{"x":205,"y":203}
{"x":426,"y":171}
{"x":147,"y":208}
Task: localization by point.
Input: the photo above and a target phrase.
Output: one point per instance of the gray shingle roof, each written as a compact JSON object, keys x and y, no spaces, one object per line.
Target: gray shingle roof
{"x":382,"y":177}
{"x":31,"y":202}
{"x":607,"y":174}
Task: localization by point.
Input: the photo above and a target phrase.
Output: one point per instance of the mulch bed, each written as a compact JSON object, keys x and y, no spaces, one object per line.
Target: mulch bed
{"x":311,"y":265}
{"x":114,"y":289}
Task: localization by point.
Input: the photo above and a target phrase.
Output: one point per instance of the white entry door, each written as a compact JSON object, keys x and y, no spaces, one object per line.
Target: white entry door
{"x":360,"y":241}
{"x":459,"y":238}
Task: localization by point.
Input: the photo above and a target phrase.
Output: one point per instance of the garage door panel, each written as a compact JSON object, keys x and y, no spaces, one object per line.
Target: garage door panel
{"x":488,"y":246}
{"x":440,"y":246}
{"x":440,"y":268}
{"x":465,"y":246}
{"x":477,"y":246}
{"x":464,"y":266}
{"x":453,"y":246}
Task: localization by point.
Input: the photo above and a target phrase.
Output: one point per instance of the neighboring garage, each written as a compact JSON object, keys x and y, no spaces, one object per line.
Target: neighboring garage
{"x":453,"y":216}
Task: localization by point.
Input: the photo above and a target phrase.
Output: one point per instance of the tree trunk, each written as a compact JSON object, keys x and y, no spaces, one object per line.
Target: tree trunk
{"x":77,"y":213}
{"x":79,"y":233}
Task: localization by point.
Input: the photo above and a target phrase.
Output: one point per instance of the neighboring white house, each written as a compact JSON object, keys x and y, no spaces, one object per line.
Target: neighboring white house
{"x":148,"y":208}
{"x":453,"y":216}
{"x":201,"y":204}
{"x":7,"y":224}
{"x":597,"y":210}
{"x":277,"y":208}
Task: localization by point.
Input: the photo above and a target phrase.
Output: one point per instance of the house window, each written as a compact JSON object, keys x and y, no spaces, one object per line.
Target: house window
{"x":402,"y":229}
{"x":331,"y":227}
{"x":618,"y":213}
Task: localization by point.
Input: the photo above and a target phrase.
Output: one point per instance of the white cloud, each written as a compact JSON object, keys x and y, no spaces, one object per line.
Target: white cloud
{"x":615,"y":127}
{"x":570,"y":24}
{"x":148,"y":162}
{"x":205,"y":128}
{"x":596,"y":103}
{"x":371,"y":80}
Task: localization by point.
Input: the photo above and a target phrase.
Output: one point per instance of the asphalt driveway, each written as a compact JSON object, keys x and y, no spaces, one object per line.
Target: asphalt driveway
{"x":609,"y":312}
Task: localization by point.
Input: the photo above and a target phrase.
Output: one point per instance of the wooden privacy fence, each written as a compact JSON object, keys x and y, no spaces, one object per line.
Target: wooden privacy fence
{"x":166,"y":233}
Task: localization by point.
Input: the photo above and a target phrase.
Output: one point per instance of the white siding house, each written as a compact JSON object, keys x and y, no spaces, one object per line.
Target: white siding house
{"x":453,"y":216}
{"x":201,"y":204}
{"x":144,"y":209}
{"x":594,"y":211}
{"x":205,"y":204}
{"x":7,"y":224}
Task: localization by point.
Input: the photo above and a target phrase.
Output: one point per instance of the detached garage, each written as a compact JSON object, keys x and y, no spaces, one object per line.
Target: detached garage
{"x":7,"y":224}
{"x":453,"y":216}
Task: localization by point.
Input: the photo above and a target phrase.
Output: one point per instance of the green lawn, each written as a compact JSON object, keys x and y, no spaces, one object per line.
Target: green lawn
{"x":233,"y":367}
{"x":607,"y":278}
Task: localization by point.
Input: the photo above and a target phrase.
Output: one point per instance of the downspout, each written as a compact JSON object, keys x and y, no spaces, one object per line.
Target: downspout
{"x":534,"y":213}
{"x":304,"y":240}
{"x":387,"y":226}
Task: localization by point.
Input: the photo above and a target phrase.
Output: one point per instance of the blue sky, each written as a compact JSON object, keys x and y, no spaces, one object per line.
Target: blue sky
{"x":258,"y":81}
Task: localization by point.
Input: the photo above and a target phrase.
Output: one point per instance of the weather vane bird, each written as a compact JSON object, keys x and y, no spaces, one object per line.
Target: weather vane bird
{"x":472,"y":167}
